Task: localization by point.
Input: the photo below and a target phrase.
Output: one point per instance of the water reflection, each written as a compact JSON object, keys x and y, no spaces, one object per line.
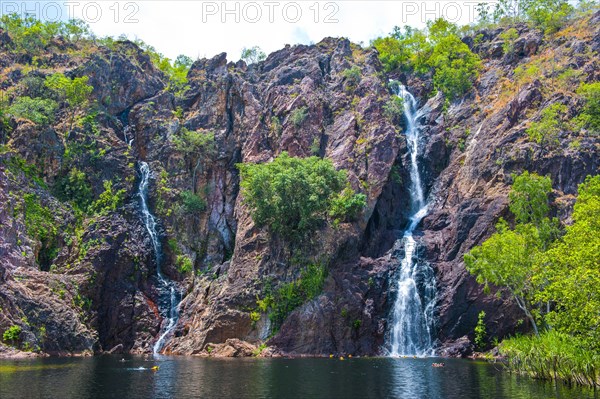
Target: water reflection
{"x":180,"y":377}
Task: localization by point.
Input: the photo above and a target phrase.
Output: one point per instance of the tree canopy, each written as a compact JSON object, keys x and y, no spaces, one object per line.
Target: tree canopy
{"x":293,"y":196}
{"x":555,"y":281}
{"x":570,"y":270}
{"x":436,"y":49}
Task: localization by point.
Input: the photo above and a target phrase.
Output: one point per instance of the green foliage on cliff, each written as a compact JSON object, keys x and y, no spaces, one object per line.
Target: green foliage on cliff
{"x":280,"y":302}
{"x":508,"y":40}
{"x":438,"y":50}
{"x":555,"y":281}
{"x":507,"y":259}
{"x":38,"y":219}
{"x":176,"y":71}
{"x":298,"y":116}
{"x":109,"y":200}
{"x":402,"y":49}
{"x":38,"y":110}
{"x":352,"y":75}
{"x":549,"y":16}
{"x":74,"y":91}
{"x":184,"y":264}
{"x":294,"y":196}
{"x":455,"y":67}
{"x":74,"y":187}
{"x":529,"y":198}
{"x":590,"y":114}
{"x":12,"y":334}
{"x":195,"y":143}
{"x":480,"y":333}
{"x":545,"y":132}
{"x":192,"y":203}
{"x":394,"y":108}
{"x":252,"y":55}
{"x":347,"y":205}
{"x":41,"y":227}
{"x":32,"y":35}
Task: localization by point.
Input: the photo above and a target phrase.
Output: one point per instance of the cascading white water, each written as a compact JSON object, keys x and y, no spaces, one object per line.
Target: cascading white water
{"x":169,"y":301}
{"x":412,"y":318}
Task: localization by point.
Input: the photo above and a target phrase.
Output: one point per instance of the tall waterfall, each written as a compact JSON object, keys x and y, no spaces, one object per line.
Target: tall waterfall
{"x":169,"y":296}
{"x":412,"y":318}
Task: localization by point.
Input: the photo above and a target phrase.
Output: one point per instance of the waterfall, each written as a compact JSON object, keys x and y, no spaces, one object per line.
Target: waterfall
{"x":412,"y":317}
{"x":169,"y":296}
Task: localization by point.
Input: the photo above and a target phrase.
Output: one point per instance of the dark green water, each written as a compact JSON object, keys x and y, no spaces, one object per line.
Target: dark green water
{"x":182,"y":377}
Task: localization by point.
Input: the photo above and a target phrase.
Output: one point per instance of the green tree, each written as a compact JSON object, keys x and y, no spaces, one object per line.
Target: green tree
{"x":548,"y":15}
{"x":484,"y":16}
{"x":75,"y":92}
{"x":184,"y":264}
{"x":405,"y":49}
{"x":28,"y":34}
{"x":298,"y":116}
{"x":440,"y":29}
{"x":75,"y":30}
{"x":31,"y":35}
{"x":38,"y":110}
{"x":508,"y":259}
{"x":455,"y":66}
{"x":293,"y":196}
{"x":437,"y":49}
{"x":252,"y":55}
{"x":285,"y":298}
{"x":176,"y":71}
{"x":529,"y":197}
{"x":571,"y":270}
{"x":178,"y":74}
{"x":590,"y":114}
{"x":510,"y":11}
{"x":75,"y":187}
{"x":392,"y":54}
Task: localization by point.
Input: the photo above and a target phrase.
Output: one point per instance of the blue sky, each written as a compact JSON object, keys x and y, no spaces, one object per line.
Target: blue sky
{"x":205,"y":28}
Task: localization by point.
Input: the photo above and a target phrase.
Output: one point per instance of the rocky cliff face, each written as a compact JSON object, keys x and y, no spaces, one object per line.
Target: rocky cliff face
{"x":96,"y":290}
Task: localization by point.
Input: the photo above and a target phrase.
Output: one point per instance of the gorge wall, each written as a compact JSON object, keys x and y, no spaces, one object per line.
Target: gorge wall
{"x":96,"y":289}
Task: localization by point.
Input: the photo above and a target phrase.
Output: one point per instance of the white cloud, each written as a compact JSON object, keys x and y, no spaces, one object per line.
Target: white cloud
{"x":206,"y":28}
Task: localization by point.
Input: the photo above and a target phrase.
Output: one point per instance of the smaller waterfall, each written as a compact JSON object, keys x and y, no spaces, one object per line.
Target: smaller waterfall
{"x":169,"y":296}
{"x":126,"y":135}
{"x":412,"y":316}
